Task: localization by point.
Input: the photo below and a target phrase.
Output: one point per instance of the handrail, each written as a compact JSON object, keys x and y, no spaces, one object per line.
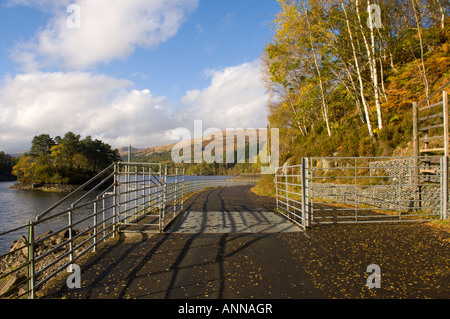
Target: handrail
{"x":433,"y":94}
{"x":125,"y":206}
{"x":93,"y":189}
{"x":74,"y":192}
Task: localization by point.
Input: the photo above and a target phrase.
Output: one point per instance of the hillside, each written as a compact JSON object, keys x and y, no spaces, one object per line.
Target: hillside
{"x":163,"y":154}
{"x":341,"y":88}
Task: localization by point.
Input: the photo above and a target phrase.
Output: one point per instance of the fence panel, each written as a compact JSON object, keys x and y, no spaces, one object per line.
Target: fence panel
{"x":376,"y":189}
{"x":291,"y":186}
{"x":140,"y":193}
{"x":125,"y":197}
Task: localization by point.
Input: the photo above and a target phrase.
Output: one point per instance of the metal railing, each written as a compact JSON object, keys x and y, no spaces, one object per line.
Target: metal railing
{"x":376,"y":189}
{"x":125,"y":197}
{"x":363,"y":190}
{"x":143,"y":190}
{"x":51,"y":252}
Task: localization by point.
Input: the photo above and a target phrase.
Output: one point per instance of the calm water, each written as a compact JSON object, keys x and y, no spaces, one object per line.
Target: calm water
{"x":18,"y":207}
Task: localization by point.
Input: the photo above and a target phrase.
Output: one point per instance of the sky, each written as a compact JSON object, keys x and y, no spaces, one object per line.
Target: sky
{"x":130,"y":72}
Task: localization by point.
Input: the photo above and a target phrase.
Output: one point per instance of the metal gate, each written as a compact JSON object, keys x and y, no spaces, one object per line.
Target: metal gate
{"x":324,"y":190}
{"x":293,"y":201}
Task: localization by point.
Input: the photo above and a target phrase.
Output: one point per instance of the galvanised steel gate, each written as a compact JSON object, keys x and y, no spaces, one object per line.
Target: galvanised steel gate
{"x":292,"y":193}
{"x":325,"y":190}
{"x":378,"y":189}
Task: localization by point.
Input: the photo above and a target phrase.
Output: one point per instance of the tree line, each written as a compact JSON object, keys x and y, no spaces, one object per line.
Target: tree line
{"x":203,"y":168}
{"x":335,"y":67}
{"x":6,"y":165}
{"x":66,"y":160}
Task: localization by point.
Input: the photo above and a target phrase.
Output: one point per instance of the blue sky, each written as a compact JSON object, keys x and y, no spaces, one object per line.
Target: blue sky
{"x":219,"y":34}
{"x":134,"y":70}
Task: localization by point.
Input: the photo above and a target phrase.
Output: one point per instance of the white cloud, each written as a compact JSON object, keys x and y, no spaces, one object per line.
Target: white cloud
{"x":87,"y":104}
{"x":110,"y":30}
{"x":235,"y":99}
{"x":114,"y":111}
{"x":109,"y":108}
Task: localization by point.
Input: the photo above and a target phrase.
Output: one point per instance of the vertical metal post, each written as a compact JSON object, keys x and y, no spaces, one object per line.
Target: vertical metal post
{"x":104,"y":217}
{"x":70,"y":234}
{"x":175,"y":203}
{"x":371,"y":183}
{"x":416,"y":154}
{"x":307,"y":203}
{"x":149,"y":198}
{"x":415,"y":130}
{"x":356,"y":192}
{"x":303,"y":182}
{"x":445,"y":112}
{"x":160,"y":196}
{"x":95,"y":225}
{"x":276,"y":186}
{"x":182,"y":189}
{"x":127,"y":189}
{"x":164,"y":198}
{"x":31,"y":290}
{"x":446,"y":152}
{"x":116,"y":168}
{"x":136,"y":192}
{"x":141,"y":192}
{"x":310,"y":192}
{"x":445,"y":188}
{"x":399,"y":197}
{"x":287,"y":192}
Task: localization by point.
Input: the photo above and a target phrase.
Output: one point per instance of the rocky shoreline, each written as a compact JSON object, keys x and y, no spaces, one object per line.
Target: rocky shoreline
{"x":56,"y":188}
{"x":15,"y":284}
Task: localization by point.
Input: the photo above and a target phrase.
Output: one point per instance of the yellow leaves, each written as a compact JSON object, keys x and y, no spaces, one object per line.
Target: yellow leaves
{"x":56,"y":150}
{"x":23,"y":168}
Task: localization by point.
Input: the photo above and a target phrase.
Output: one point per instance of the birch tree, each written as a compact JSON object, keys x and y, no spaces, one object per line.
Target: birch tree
{"x":358,"y":71}
{"x":370,"y":52}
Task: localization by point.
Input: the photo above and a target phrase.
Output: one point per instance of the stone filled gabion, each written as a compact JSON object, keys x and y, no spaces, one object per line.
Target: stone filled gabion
{"x":396,"y":189}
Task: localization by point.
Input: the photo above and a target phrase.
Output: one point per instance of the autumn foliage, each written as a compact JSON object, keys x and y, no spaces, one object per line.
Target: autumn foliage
{"x":341,"y":86}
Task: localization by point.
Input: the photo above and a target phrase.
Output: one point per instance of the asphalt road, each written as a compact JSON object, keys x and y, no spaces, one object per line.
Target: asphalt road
{"x":325,"y":262}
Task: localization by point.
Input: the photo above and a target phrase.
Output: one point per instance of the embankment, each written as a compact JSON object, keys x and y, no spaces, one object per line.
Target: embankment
{"x":57,"y":188}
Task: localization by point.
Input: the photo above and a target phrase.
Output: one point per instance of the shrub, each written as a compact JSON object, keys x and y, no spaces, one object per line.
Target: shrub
{"x":265,"y":186}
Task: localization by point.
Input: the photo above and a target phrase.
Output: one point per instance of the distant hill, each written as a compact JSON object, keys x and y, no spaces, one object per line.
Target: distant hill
{"x":123,"y":151}
{"x":162,"y":154}
{"x":161,"y":149}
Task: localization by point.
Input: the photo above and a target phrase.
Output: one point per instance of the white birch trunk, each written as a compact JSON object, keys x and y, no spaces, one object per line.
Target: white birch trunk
{"x":358,"y":71}
{"x":372,"y":64}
